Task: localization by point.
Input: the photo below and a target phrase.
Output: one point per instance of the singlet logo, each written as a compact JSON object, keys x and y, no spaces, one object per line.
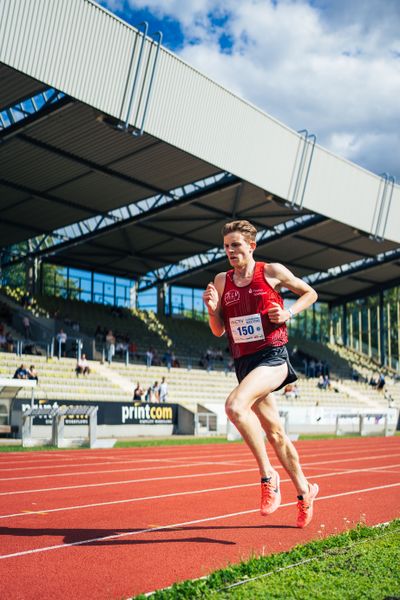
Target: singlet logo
{"x":259,"y":292}
{"x":232,"y":297}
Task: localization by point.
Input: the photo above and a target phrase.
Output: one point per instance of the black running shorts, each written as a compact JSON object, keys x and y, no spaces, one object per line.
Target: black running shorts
{"x":271,"y":356}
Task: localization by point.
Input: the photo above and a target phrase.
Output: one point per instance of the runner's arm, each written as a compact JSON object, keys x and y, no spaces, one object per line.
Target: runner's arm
{"x":212,"y":300}
{"x":307,"y":295}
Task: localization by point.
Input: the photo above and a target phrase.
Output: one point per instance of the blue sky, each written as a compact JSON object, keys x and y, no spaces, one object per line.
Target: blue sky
{"x":330,"y":66}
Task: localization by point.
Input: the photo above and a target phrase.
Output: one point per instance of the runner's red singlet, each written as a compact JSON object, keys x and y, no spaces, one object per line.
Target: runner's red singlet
{"x":244,"y":310}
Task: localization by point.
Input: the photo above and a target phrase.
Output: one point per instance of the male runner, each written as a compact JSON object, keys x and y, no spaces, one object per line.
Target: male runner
{"x":246,"y":304}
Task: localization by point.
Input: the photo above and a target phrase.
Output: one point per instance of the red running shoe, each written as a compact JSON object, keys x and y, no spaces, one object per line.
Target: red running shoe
{"x":305,"y":506}
{"x":270,"y":495}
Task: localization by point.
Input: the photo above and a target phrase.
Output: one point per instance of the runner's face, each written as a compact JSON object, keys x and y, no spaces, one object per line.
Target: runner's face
{"x":237,"y":249}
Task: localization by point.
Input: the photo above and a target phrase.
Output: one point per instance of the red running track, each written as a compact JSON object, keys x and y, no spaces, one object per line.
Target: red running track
{"x":108,"y":524}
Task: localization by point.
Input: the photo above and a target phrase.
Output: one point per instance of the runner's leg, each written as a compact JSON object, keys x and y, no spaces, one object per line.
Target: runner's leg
{"x":255,"y":386}
{"x":267,"y":411}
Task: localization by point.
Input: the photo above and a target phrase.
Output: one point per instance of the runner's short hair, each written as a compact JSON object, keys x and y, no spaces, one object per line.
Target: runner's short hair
{"x":248,"y":230}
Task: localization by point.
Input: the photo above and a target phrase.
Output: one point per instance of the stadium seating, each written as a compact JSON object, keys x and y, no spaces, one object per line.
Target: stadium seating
{"x":57,"y":379}
{"x":188,"y":337}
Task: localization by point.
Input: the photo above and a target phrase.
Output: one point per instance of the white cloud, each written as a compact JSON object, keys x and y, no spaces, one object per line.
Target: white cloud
{"x":332,"y":67}
{"x":114,"y":5}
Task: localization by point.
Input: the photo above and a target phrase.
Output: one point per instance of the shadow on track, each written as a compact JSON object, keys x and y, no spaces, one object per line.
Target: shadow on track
{"x":110,"y":537}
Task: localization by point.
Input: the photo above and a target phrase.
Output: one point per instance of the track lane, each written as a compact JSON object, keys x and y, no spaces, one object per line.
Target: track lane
{"x":131,"y":563}
{"x":121,"y":566}
{"x":240,"y":495}
{"x":135,"y":456}
{"x":17,"y":487}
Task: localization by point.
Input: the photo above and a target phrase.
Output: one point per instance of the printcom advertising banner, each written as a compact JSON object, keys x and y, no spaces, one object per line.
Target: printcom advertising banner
{"x":109,"y":413}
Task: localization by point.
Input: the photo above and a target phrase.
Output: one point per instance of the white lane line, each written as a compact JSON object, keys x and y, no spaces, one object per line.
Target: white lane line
{"x":180,"y":493}
{"x":381,"y":468}
{"x":91,"y":464}
{"x":184,"y":524}
{"x":134,"y":455}
{"x":231,"y":455}
{"x":187,"y":476}
{"x":137,"y":460}
{"x":79,"y":473}
{"x":248,"y":459}
{"x":124,"y":482}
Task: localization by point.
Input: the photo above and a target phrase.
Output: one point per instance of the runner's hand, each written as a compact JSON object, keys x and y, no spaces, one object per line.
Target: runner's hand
{"x":210,"y":298}
{"x":277,"y":314}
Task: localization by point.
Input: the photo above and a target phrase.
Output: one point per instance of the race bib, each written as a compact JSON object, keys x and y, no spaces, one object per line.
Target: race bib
{"x":246,"y":329}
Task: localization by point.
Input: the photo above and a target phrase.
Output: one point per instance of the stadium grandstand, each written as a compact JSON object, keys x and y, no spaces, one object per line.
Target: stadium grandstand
{"x":115,"y":181}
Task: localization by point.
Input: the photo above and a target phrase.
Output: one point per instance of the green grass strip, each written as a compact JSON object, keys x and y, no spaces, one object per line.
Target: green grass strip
{"x":359,"y":563}
{"x":20,"y":448}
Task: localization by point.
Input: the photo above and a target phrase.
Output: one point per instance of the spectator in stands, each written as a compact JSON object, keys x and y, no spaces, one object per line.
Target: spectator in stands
{"x":373,"y":380}
{"x":82,"y":366}
{"x":245,"y":303}
{"x":62,"y":343}
{"x":27,"y":327}
{"x":156,"y":359}
{"x":110,"y":346}
{"x":3,"y":341}
{"x":167,"y":359}
{"x":175,"y":362}
{"x":149,"y":357}
{"x":21,"y":373}
{"x":32,"y":373}
{"x":31,"y":348}
{"x":380,"y":386}
{"x":324,"y":382}
{"x":133,"y":350}
{"x":149,"y":394}
{"x":163,"y":390}
{"x":155,"y":389}
{"x":291,"y":391}
{"x":121,"y":347}
{"x":138,"y":393}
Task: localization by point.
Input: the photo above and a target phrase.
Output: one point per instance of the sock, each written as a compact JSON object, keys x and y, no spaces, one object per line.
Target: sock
{"x":265,"y":479}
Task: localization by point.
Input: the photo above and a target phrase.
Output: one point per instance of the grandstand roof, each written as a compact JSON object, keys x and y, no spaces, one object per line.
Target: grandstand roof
{"x":144,"y":203}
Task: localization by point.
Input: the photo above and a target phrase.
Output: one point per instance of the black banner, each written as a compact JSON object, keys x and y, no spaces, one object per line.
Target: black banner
{"x":109,"y":413}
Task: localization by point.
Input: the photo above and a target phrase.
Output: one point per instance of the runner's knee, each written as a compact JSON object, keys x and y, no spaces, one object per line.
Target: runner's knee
{"x":235,"y":407}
